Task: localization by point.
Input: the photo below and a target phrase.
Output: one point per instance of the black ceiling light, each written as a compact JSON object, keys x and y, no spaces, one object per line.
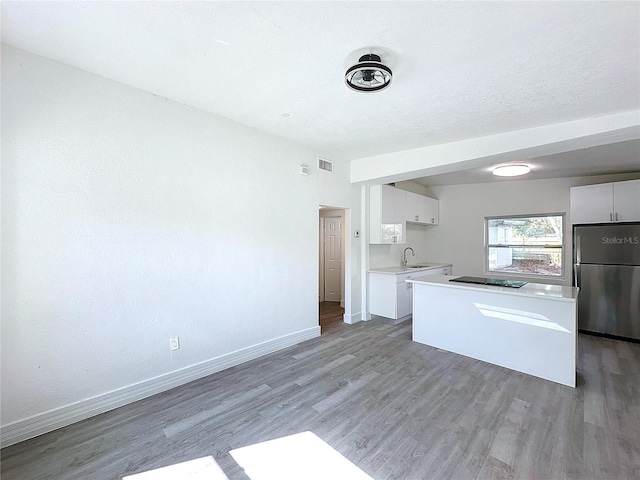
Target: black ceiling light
{"x":368,"y":75}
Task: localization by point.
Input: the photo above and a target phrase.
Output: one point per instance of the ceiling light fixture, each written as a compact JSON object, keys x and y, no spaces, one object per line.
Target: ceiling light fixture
{"x":368,"y":75}
{"x":511,"y":170}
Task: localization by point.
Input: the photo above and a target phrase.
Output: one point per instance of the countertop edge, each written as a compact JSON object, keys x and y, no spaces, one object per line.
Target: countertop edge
{"x":436,"y":281}
{"x":384,"y":270}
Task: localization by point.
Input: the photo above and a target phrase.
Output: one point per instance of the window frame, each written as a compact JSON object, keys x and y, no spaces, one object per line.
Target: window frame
{"x":529,"y":276}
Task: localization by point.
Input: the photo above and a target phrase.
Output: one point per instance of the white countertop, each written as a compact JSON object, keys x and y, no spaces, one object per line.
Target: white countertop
{"x":398,"y":270}
{"x":551,"y":292}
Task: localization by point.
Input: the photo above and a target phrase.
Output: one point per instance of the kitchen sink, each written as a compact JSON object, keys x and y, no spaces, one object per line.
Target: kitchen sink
{"x":419,"y":266}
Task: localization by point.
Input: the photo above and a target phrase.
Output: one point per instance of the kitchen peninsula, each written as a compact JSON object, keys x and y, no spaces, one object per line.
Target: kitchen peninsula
{"x":531,"y":329}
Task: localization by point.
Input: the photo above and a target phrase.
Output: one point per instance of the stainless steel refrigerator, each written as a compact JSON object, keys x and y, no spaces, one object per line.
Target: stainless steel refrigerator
{"x":607,"y":269}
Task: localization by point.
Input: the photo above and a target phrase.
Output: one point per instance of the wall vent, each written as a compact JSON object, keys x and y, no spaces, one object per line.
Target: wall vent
{"x":325,"y":165}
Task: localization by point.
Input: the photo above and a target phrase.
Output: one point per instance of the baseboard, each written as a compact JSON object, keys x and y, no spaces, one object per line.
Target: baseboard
{"x":63,"y":416}
{"x":391,"y":321}
{"x":352,"y":318}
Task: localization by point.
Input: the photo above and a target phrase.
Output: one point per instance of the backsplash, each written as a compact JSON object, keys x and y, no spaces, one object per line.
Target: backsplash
{"x":390,"y":255}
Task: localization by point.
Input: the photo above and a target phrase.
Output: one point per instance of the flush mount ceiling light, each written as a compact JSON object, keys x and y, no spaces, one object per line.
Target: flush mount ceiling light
{"x":368,"y":75}
{"x":511,"y":170}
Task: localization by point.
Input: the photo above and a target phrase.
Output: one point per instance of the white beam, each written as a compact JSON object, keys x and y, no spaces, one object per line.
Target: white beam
{"x":480,"y":151}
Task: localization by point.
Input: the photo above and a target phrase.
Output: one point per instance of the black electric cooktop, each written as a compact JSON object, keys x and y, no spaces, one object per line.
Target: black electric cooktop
{"x":498,"y":282}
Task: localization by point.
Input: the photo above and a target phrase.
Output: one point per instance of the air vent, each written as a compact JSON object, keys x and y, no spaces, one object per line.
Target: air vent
{"x":325,"y":165}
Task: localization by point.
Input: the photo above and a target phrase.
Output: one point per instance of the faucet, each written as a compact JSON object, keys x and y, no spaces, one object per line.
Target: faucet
{"x":404,"y":256}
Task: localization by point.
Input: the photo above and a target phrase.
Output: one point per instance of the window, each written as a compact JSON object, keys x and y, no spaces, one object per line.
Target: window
{"x":525,"y":245}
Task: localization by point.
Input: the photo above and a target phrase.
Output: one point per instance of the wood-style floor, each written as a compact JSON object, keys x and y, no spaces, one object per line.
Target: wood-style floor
{"x":396,"y":409}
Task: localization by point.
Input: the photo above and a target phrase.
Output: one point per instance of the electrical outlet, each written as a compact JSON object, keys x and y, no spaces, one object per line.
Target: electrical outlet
{"x":174,"y":343}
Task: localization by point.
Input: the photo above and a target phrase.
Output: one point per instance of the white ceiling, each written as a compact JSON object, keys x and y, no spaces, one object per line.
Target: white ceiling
{"x":461,"y":69}
{"x":620,"y":157}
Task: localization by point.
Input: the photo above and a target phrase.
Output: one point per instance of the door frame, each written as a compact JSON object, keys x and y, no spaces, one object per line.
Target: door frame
{"x":333,"y":212}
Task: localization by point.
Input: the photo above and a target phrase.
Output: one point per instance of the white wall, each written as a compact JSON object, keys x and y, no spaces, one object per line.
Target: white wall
{"x":459,"y":238}
{"x":128,"y":219}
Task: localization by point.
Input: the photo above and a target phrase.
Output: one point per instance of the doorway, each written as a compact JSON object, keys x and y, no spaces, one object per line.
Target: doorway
{"x":332,"y":243}
{"x":331,"y":285}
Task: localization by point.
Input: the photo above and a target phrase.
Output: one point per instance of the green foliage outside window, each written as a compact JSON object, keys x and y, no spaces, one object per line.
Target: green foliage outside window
{"x":530,"y":245}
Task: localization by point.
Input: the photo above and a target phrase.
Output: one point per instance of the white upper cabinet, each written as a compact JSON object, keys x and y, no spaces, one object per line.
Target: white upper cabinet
{"x":433,"y":208}
{"x":416,"y":208}
{"x":606,"y":203}
{"x":626,"y":201}
{"x":592,"y":203}
{"x":421,"y":209}
{"x":391,"y":208}
{"x":387,"y":207}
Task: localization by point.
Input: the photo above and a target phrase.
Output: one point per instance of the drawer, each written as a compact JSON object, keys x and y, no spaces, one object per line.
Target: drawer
{"x":439,"y":271}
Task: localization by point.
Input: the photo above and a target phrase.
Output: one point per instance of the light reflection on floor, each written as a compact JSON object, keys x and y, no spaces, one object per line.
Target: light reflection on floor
{"x":204,"y":468}
{"x":300,"y":456}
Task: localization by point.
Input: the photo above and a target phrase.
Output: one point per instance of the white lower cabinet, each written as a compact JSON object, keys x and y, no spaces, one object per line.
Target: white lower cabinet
{"x":391,"y":297}
{"x":404,"y":299}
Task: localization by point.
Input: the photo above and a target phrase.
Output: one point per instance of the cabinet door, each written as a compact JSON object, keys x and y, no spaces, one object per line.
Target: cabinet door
{"x":392,"y":233}
{"x":416,"y":208}
{"x":433,"y":215}
{"x":412,"y":207}
{"x":405,"y":298}
{"x":394,"y":204}
{"x":398,"y":199}
{"x":626,"y":201}
{"x":592,"y":204}
{"x":388,"y":200}
{"x":423,"y":209}
{"x":382,"y":295}
{"x":385,"y":205}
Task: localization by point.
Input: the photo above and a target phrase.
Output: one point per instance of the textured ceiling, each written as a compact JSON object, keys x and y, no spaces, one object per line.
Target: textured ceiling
{"x":461,"y":69}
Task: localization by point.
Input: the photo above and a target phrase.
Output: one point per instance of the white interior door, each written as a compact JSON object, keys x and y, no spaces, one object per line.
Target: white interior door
{"x":332,"y":259}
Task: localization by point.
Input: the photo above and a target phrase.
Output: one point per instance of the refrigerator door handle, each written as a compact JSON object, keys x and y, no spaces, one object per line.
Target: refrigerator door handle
{"x":576,"y":265}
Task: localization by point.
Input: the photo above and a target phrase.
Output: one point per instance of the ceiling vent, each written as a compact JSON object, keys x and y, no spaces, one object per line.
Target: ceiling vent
{"x":325,"y":165}
{"x":368,"y":75}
